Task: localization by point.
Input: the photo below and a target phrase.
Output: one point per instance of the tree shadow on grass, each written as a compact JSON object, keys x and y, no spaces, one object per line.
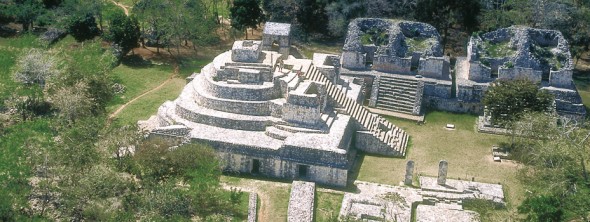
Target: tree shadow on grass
{"x":136,"y":61}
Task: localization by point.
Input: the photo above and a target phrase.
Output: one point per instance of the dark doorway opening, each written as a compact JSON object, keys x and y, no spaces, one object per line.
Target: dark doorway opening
{"x":255,"y":166}
{"x":303,"y":171}
{"x":275,"y":46}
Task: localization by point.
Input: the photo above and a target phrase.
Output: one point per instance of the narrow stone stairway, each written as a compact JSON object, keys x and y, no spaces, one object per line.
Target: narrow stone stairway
{"x":382,"y":129}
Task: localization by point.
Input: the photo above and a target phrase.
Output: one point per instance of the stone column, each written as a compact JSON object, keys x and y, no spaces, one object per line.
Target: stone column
{"x":442,"y":172}
{"x":409,"y":173}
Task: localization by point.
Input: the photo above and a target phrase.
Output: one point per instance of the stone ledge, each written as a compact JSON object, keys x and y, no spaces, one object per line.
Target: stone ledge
{"x":301,"y":202}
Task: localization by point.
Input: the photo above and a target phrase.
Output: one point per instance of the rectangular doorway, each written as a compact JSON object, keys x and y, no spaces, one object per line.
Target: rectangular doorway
{"x":255,"y":166}
{"x":303,"y":171}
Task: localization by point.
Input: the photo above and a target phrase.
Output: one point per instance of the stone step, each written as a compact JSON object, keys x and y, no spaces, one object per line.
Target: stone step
{"x":295,"y":129}
{"x":397,"y":79}
{"x":396,"y":105}
{"x":368,"y":120}
{"x":396,"y":109}
{"x":277,"y":133}
{"x":397,"y":84}
{"x":398,"y":88}
{"x":396,"y":98}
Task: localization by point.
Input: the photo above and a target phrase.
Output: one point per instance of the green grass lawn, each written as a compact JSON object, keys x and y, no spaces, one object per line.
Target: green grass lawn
{"x":137,"y":80}
{"x":327,"y":206}
{"x":148,"y":105}
{"x":273,"y":196}
{"x":10,"y":49}
{"x":467,"y":152}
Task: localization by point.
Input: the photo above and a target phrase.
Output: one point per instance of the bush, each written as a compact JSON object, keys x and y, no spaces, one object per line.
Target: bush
{"x":83,"y":27}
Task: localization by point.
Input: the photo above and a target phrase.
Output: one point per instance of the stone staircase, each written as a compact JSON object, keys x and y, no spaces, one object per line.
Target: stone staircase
{"x":397,"y":94}
{"x":385,"y":131}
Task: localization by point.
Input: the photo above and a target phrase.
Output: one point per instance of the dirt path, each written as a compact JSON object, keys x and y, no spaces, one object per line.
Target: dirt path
{"x":122,"y":107}
{"x":122,"y":6}
{"x":264,"y":200}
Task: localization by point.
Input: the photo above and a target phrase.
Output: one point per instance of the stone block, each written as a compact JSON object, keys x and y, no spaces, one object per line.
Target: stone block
{"x":246,"y":51}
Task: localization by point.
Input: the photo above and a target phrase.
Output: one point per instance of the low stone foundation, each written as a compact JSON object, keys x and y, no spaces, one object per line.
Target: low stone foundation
{"x":301,"y":202}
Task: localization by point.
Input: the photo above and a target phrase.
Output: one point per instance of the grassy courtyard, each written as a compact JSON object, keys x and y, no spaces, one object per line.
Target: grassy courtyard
{"x":467,"y":152}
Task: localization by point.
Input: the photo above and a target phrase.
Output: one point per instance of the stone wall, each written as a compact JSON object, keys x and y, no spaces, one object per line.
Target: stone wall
{"x":285,"y":168}
{"x":479,"y":72}
{"x":255,"y":108}
{"x":301,"y":202}
{"x":393,"y":64}
{"x":438,"y":95}
{"x":434,"y":67}
{"x":453,"y":105}
{"x":304,"y":115}
{"x":441,"y":89}
{"x":471,"y":92}
{"x":252,"y":207}
{"x":367,"y":142}
{"x":229,"y":122}
{"x":246,"y":51}
{"x":561,"y":78}
{"x":519,"y":72}
{"x":418,"y":103}
{"x":223,"y":90}
{"x":353,"y":60}
{"x":302,"y":109}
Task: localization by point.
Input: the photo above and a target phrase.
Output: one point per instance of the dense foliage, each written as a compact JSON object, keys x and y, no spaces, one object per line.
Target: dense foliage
{"x":554,"y":153}
{"x":506,"y":100}
{"x":245,"y":14}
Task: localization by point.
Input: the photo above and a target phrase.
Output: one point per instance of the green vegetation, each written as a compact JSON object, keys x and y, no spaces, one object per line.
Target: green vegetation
{"x":375,"y":36}
{"x":147,"y":105}
{"x":554,"y":153}
{"x":498,"y":50}
{"x":547,"y":57}
{"x":327,"y":206}
{"x":417,"y":44}
{"x":467,"y":151}
{"x":137,"y":80}
{"x":507,"y":100}
{"x":273,"y":196}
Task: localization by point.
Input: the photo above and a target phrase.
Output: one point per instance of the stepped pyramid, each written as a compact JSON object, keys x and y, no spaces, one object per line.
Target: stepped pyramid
{"x":270,"y":114}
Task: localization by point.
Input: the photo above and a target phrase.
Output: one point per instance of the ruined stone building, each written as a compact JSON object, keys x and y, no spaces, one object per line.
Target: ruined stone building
{"x":406,"y":70}
{"x":268,"y":113}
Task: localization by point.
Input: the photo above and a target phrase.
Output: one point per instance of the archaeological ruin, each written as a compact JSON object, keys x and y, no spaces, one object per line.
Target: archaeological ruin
{"x":403,"y":64}
{"x":271,"y":114}
{"x":268,"y":113}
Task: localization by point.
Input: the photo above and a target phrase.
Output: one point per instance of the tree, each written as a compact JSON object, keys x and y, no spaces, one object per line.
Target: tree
{"x":554,"y":152}
{"x":83,"y":27}
{"x":72,"y":102}
{"x":444,"y":14}
{"x":35,"y":67}
{"x":340,"y":12}
{"x":507,"y":99}
{"x":26,"y":12}
{"x":542,"y":208}
{"x":245,"y":14}
{"x":124,"y":31}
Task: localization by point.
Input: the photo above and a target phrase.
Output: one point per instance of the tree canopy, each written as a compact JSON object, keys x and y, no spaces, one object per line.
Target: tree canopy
{"x":554,"y":152}
{"x":245,"y":14}
{"x":506,"y":100}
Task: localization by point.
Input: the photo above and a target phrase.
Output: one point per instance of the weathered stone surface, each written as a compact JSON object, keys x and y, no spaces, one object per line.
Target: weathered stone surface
{"x":427,"y":213}
{"x":443,"y":166}
{"x":246,"y":51}
{"x":252,"y":205}
{"x":301,"y":202}
{"x":409,"y":173}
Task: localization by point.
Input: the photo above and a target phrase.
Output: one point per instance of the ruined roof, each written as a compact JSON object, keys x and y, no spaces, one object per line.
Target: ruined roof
{"x":274,"y":28}
{"x":393,"y":37}
{"x":525,"y":47}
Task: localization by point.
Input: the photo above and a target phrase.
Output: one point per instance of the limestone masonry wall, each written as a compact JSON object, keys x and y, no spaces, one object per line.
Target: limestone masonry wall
{"x":301,"y":202}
